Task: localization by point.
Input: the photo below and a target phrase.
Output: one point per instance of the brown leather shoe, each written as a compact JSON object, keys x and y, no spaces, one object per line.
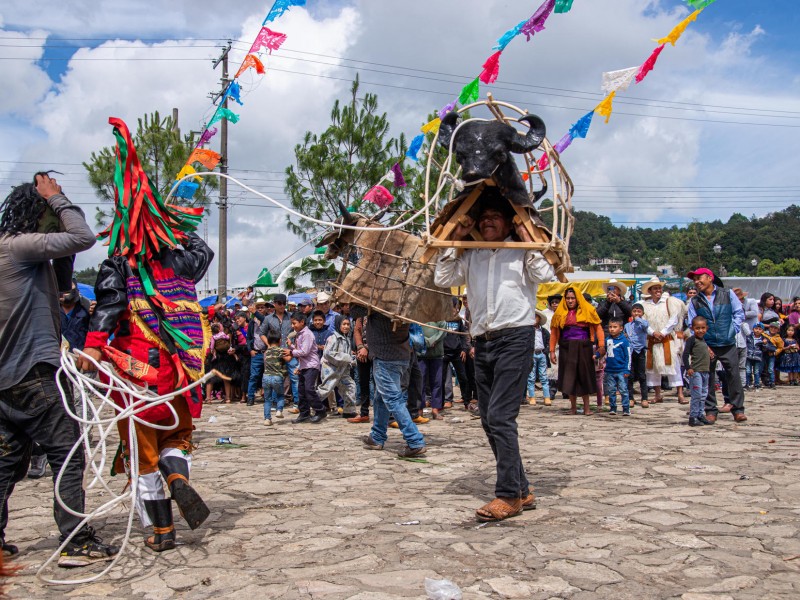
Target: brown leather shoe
{"x":711,"y":418}
{"x":740,"y":417}
{"x":726,"y":408}
{"x":361,"y":419}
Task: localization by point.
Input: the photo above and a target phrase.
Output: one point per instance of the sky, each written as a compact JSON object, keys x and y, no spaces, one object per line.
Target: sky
{"x":712,"y":131}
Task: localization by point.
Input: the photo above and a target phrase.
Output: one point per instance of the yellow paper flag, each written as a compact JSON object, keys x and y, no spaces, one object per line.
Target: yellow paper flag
{"x":187,"y":170}
{"x":679,"y":29}
{"x":605,"y":107}
{"x":431,"y":127}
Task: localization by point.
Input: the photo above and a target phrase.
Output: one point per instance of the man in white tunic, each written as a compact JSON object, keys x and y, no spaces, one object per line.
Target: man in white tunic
{"x":664,"y":315}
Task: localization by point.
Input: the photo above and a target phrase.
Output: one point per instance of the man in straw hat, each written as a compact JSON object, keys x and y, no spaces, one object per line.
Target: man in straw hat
{"x":664,"y":315}
{"x":504,"y":282}
{"x":724,"y":314}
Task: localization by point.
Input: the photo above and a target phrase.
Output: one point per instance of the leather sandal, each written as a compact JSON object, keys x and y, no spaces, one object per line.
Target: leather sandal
{"x":529,"y":502}
{"x":499,"y":509}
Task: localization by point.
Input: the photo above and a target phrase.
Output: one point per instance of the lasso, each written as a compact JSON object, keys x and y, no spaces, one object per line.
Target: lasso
{"x":97,"y":411}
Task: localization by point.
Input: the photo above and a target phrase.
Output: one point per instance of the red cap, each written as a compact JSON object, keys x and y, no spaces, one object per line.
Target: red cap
{"x":703,"y":271}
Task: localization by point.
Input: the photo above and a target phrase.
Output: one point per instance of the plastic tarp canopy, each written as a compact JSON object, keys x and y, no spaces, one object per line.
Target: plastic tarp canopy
{"x":212,"y":300}
{"x":593,"y":286}
{"x":297,"y":298}
{"x":87,"y":291}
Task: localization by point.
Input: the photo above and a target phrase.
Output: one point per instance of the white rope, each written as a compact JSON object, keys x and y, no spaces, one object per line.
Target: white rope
{"x":99,"y":412}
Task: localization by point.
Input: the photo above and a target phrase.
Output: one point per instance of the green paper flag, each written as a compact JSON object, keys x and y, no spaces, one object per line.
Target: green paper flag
{"x":697,"y":4}
{"x":223,"y":113}
{"x":563,"y":6}
{"x":470,"y":92}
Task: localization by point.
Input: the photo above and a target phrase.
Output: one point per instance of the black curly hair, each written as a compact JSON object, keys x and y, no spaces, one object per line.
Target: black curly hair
{"x":21,"y":210}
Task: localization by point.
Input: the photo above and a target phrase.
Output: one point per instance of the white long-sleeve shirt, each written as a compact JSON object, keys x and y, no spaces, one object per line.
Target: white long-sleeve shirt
{"x":501,"y":284}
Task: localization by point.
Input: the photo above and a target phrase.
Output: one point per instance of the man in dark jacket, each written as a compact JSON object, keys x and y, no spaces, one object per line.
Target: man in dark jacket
{"x":74,"y":318}
{"x":614,"y":306}
{"x":456,"y":347}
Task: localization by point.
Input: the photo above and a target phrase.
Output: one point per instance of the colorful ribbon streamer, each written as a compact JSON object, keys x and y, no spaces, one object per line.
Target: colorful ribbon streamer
{"x":280,"y":7}
{"x":605,"y":108}
{"x":399,"y":180}
{"x":224,"y":113}
{"x":536,"y":22}
{"x":250,"y":62}
{"x":491,"y":68}
{"x":563,"y":6}
{"x":266,"y":38}
{"x":649,"y":64}
{"x":431,"y":126}
{"x":677,"y":32}
{"x":208,"y":158}
{"x":470,"y":92}
{"x":415,"y":146}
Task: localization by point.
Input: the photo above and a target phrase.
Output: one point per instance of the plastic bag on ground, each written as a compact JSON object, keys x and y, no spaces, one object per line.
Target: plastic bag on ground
{"x":442,"y":589}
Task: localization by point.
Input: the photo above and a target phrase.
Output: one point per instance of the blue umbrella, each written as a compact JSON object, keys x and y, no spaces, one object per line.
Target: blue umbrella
{"x":87,"y":291}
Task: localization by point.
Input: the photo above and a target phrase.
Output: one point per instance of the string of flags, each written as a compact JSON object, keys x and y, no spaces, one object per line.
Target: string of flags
{"x":615,"y":82}
{"x":470,"y":93}
{"x":266,"y":40}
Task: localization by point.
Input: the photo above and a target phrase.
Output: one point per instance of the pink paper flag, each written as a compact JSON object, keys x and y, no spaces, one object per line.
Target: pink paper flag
{"x":649,"y":64}
{"x":379,"y":195}
{"x":266,"y":38}
{"x":491,"y":68}
{"x":543,"y":163}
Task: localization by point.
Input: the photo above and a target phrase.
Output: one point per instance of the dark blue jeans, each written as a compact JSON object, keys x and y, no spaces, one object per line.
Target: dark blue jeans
{"x":502,"y":365}
{"x":256,"y":375}
{"x":31,"y":411}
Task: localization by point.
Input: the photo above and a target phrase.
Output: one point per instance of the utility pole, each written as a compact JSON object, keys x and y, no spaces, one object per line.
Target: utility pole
{"x":222,"y":253}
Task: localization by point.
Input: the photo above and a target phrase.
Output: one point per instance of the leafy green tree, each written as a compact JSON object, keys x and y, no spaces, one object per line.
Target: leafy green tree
{"x":87,"y":276}
{"x":767,"y":268}
{"x":791,"y":267}
{"x":314,"y":266}
{"x":162,"y":154}
{"x":342,"y":163}
{"x":693,"y":247}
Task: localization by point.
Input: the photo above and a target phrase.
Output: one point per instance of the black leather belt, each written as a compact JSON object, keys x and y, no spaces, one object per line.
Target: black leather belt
{"x":496,"y":335}
{"x":538,"y":352}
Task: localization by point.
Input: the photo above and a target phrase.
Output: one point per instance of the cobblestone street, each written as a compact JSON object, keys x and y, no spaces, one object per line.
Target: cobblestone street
{"x":640,"y":507}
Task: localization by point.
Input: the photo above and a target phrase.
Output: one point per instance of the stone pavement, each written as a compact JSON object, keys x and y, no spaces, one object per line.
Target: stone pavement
{"x":640,"y":507}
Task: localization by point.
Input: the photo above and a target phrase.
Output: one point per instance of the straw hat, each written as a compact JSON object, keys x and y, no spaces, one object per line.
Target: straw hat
{"x":542,"y":316}
{"x":650,"y":283}
{"x":617,"y":284}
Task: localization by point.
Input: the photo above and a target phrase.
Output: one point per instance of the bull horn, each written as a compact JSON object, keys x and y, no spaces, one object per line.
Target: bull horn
{"x":538,"y":194}
{"x":532,"y":139}
{"x":378,"y":216}
{"x":348,"y":219}
{"x":446,"y":128}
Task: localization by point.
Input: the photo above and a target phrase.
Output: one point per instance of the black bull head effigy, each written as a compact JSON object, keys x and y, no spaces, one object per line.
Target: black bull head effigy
{"x":388,"y":276}
{"x":483,"y":148}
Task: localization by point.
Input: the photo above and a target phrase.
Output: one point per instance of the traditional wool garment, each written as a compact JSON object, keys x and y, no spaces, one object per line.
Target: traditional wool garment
{"x":663,"y":358}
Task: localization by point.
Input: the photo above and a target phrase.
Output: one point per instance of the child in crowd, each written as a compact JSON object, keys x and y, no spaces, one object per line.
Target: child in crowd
{"x":337,"y":360}
{"x":697,"y":363}
{"x":304,"y":348}
{"x":456,"y":347}
{"x":790,"y":358}
{"x":773,"y":346}
{"x":618,"y":367}
{"x":222,"y":361}
{"x":636,"y":330}
{"x":541,"y":360}
{"x":320,"y":330}
{"x":755,"y":357}
{"x":274,"y":375}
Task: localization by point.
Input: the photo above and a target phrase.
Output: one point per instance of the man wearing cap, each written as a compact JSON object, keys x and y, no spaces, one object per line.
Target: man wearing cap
{"x":502,"y":326}
{"x":664,"y":315}
{"x":306,"y":306}
{"x":614,"y":306}
{"x":324,"y":304}
{"x":724,"y":314}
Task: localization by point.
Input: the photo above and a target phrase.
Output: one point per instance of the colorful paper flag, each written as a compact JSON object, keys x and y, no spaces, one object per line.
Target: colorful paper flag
{"x":379,"y":195}
{"x":431,"y":126}
{"x":563,"y":6}
{"x":648,"y":64}
{"x":447,"y":108}
{"x":186,"y":190}
{"x":266,"y":38}
{"x":543,"y":162}
{"x":206,"y":136}
{"x":187,"y":170}
{"x":399,"y":180}
{"x":537,"y":20}
{"x":208,"y":158}
{"x":224,"y":113}
{"x":563,"y":143}
{"x":280,"y":7}
{"x":415,"y":146}
{"x":470,"y":92}
{"x":509,"y":35}
{"x":700,"y":4}
{"x":250,"y":61}
{"x":605,"y":108}
{"x":581,"y":128}
{"x":677,"y":32}
{"x":618,"y":81}
{"x":233,"y":92}
{"x":491,"y":68}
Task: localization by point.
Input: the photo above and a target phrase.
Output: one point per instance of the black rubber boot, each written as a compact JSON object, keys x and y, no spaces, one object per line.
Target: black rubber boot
{"x":160,"y":513}
{"x":190,"y":504}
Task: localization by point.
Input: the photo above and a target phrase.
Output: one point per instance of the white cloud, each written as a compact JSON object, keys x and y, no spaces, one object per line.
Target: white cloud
{"x":442,"y":38}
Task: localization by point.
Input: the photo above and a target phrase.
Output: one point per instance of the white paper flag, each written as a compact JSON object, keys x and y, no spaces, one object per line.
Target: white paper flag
{"x":615,"y":81}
